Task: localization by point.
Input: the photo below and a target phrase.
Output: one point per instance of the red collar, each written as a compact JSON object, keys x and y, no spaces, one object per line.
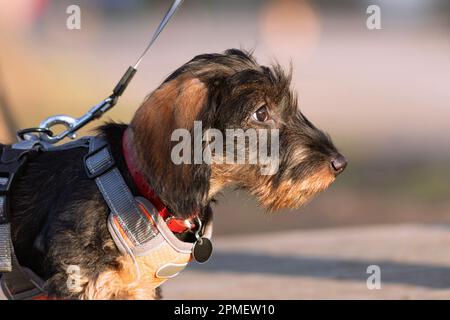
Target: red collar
{"x":176,"y":225}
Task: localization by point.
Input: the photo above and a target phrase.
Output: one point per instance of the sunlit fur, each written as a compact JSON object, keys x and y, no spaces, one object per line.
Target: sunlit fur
{"x":59,"y":217}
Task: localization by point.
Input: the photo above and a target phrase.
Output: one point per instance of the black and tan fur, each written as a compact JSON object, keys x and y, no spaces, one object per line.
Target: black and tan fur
{"x":59,"y":217}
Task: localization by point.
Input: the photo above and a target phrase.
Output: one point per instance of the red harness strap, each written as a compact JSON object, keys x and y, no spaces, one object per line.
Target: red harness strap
{"x":175,"y":224}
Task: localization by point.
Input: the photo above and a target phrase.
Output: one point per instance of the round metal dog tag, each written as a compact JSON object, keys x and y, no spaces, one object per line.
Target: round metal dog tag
{"x":202,"y":250}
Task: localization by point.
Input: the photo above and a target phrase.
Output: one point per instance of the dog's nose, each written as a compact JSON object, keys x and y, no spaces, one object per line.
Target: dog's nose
{"x":338,"y":163}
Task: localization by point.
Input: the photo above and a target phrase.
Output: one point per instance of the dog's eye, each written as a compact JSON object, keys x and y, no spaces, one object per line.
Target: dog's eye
{"x":261,"y":115}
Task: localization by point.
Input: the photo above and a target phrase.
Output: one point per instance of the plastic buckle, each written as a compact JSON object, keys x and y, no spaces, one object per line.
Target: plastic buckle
{"x":103,"y":169}
{"x":5,"y":182}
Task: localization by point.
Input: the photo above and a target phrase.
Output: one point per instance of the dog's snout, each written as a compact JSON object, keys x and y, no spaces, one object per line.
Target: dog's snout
{"x":338,"y":163}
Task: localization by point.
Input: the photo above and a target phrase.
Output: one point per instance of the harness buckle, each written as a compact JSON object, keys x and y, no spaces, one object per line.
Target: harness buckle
{"x":99,"y":161}
{"x":6,"y":179}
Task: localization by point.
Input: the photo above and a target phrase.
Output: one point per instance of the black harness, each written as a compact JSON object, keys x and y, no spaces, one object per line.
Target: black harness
{"x":134,"y":223}
{"x":18,"y":282}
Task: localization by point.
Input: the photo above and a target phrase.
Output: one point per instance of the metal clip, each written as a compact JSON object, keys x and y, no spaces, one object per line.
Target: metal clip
{"x":72,"y":125}
{"x":44,"y":132}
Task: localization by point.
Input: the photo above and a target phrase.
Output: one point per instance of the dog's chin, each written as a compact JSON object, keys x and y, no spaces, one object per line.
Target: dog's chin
{"x":293,"y":201}
{"x":292,"y":193}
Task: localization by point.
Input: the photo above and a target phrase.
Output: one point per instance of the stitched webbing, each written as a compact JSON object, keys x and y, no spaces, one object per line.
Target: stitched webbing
{"x":116,"y":193}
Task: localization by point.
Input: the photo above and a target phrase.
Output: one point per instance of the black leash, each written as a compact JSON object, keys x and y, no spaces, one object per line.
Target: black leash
{"x":44,"y":132}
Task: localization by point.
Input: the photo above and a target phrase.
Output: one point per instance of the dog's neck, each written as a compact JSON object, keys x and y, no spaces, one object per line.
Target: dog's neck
{"x":143,"y":186}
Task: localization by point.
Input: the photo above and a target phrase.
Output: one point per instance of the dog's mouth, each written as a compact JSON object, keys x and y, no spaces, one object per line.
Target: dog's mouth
{"x":274,"y":194}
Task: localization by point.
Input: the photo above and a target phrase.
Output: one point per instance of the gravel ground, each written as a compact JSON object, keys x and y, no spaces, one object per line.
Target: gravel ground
{"x":324,"y":264}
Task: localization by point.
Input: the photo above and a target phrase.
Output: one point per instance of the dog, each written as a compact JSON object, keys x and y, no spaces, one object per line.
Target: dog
{"x":59,"y":217}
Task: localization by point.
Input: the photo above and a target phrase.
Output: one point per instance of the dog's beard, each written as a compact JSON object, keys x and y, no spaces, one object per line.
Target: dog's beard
{"x":272,"y":192}
{"x":292,"y":193}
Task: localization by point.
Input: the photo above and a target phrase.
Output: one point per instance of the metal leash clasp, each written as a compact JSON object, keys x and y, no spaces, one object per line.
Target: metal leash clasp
{"x":72,"y":124}
{"x":47,"y":124}
{"x":44,"y":131}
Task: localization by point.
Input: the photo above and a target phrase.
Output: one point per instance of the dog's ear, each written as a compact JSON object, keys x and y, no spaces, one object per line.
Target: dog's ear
{"x":176,"y":104}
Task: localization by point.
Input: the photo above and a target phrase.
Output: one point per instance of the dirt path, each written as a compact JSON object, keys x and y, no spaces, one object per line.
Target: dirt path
{"x":325,"y":264}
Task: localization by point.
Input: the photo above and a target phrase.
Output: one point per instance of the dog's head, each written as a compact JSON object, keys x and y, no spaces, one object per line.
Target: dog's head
{"x":216,"y":99}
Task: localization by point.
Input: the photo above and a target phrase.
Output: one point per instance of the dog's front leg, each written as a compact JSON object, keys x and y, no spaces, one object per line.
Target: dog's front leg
{"x":124,"y":283}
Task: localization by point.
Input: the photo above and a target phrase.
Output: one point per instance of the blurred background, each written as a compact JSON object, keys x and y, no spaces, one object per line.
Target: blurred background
{"x":383,"y":95}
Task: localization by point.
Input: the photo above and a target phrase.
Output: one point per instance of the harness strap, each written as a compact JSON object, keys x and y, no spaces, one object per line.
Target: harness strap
{"x":100,"y":165}
{"x":16,"y":282}
{"x":21,"y":283}
{"x":11,"y":160}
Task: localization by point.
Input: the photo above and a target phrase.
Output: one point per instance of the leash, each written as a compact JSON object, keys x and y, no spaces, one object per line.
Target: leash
{"x":44,"y":132}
